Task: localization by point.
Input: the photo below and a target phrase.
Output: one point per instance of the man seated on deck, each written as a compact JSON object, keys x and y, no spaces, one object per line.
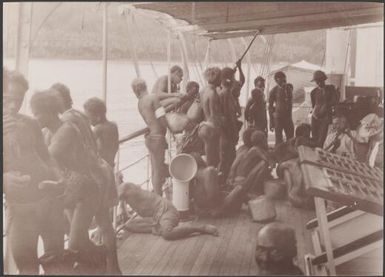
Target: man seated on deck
{"x":249,"y":175}
{"x":82,"y":196}
{"x":159,"y":216}
{"x":153,"y":113}
{"x":340,"y":138}
{"x":255,"y":111}
{"x":276,"y":249}
{"x":286,"y":155}
{"x":105,"y":131}
{"x":31,"y":211}
{"x":102,"y":173}
{"x":288,"y":150}
{"x":210,"y":130}
{"x":205,"y":188}
{"x":230,"y":131}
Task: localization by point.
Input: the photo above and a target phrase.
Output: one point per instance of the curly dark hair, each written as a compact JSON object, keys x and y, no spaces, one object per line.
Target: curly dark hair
{"x":45,"y":102}
{"x":95,"y":106}
{"x":212,"y":74}
{"x":64,"y":92}
{"x":227,"y":76}
{"x":16,"y":77}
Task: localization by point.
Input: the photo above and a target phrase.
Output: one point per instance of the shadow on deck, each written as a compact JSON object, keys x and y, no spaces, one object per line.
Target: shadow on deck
{"x":232,"y":253}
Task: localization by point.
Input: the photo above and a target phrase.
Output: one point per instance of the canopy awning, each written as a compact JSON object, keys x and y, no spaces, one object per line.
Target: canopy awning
{"x":231,"y":19}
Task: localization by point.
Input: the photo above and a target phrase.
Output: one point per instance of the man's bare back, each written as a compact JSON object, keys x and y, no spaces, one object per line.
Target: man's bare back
{"x":147,"y":106}
{"x":107,"y":139}
{"x":210,"y":103}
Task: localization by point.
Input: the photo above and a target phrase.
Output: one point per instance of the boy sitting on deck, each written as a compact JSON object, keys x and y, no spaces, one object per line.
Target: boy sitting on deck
{"x":160,"y":217}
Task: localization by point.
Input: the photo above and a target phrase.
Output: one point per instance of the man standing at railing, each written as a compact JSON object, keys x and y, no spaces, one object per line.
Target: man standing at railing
{"x":153,"y":113}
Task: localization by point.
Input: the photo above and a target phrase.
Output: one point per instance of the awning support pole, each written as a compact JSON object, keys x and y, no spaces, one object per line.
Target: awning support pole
{"x":23,"y":38}
{"x":105,"y":45}
{"x":185,"y":60}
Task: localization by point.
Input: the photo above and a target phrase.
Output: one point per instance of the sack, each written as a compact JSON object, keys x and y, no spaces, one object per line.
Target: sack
{"x":195,"y":112}
{"x":177,"y":122}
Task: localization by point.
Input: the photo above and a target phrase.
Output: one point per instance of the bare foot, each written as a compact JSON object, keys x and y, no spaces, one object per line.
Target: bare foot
{"x":211,"y":230}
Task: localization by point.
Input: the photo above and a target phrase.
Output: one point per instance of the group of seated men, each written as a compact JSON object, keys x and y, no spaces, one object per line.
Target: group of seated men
{"x":58,"y":179}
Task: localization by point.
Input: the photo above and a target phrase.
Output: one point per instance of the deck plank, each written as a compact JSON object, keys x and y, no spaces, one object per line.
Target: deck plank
{"x":236,"y":251}
{"x":223,"y":247}
{"x":155,"y":253}
{"x":132,"y":251}
{"x":232,"y":253}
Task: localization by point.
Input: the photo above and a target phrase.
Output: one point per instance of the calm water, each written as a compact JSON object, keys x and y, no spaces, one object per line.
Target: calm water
{"x":84,"y":78}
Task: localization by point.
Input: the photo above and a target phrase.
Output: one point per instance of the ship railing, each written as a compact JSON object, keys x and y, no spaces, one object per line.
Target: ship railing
{"x":120,"y":169}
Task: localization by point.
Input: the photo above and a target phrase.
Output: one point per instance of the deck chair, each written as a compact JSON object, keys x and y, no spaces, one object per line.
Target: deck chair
{"x":353,"y":233}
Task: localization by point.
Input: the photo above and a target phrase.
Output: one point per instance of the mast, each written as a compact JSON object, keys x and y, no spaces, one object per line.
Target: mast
{"x":104,"y":58}
{"x":24,"y":15}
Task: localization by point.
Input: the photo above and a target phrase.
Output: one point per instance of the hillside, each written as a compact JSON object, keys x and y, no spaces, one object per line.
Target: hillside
{"x":74,"y":31}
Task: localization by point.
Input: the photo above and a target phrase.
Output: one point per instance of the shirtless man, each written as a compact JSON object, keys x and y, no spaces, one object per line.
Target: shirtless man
{"x":255,"y":111}
{"x":31,"y":211}
{"x":153,"y":113}
{"x":161,"y":88}
{"x":210,"y":130}
{"x":230,"y":131}
{"x":159,"y":216}
{"x":105,"y":131}
{"x":192,"y":90}
{"x":161,"y":85}
{"x":237,"y":86}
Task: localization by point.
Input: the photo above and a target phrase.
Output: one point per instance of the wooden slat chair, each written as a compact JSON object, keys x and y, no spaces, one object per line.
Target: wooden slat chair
{"x":353,"y":234}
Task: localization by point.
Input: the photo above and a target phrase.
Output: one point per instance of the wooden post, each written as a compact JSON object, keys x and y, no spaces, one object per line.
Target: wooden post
{"x":169,"y":60}
{"x":248,"y":71}
{"x":105,"y":45}
{"x":132,"y":41}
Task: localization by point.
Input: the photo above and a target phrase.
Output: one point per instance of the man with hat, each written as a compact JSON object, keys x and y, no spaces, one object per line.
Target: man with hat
{"x":323,"y":98}
{"x":280,"y":108}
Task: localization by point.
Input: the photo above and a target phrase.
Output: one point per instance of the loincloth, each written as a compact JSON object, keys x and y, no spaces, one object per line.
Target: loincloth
{"x":155,"y":143}
{"x":208,"y":130}
{"x":165,"y":219}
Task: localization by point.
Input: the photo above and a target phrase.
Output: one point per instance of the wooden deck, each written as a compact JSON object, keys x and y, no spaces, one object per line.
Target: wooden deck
{"x":232,"y":253}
